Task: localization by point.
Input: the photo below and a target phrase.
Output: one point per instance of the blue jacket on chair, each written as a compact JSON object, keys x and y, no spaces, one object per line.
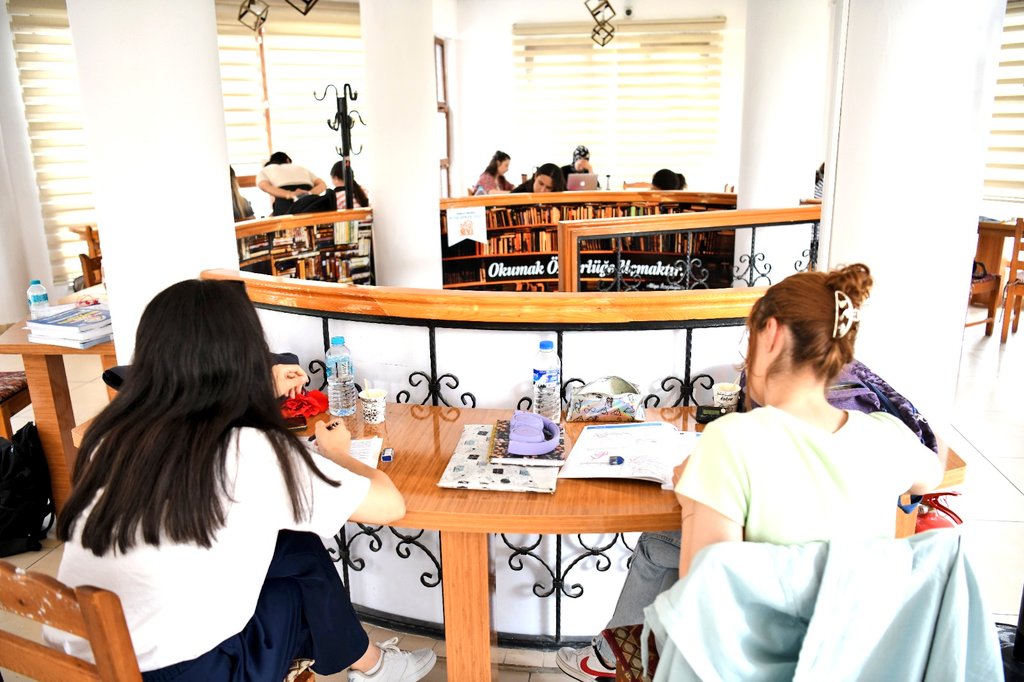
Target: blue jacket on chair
{"x":907,"y":609}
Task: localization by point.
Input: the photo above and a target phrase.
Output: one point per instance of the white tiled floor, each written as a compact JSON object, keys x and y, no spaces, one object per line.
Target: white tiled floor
{"x":988,"y":434}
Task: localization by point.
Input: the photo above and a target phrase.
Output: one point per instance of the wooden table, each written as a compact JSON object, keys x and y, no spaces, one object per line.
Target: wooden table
{"x":51,"y":399}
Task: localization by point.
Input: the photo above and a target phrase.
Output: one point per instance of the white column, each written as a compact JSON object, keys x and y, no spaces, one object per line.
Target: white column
{"x":154,"y":118}
{"x":783,"y":139}
{"x":400,"y":109}
{"x":24,"y":254}
{"x":915,"y":94}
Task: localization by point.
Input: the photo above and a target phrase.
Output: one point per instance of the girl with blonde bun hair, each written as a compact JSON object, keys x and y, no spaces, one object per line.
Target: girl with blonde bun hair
{"x":790,"y":471}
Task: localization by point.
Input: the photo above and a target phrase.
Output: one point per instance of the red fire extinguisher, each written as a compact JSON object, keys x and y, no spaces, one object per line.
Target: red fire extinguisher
{"x":933,"y":512}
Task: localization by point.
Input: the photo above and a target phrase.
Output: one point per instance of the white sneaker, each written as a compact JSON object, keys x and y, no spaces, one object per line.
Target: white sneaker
{"x":397,"y":665}
{"x":582,"y":664}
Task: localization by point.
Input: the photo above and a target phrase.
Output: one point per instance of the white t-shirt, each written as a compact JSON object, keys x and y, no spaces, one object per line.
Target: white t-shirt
{"x":283,"y":174}
{"x":181,"y":600}
{"x":787,"y":482}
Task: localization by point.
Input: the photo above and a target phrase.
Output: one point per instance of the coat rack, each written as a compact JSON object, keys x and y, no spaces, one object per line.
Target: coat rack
{"x":344,"y":121}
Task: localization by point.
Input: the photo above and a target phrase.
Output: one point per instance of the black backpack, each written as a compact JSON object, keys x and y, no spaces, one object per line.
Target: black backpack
{"x":26,"y":500}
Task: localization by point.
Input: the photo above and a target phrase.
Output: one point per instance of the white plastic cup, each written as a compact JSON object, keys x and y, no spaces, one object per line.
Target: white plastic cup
{"x":726,"y":394}
{"x":372,"y":400}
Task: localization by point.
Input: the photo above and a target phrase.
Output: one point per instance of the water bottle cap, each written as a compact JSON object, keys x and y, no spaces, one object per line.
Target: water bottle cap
{"x":546,"y":345}
{"x":337,"y":340}
{"x":33,"y":281}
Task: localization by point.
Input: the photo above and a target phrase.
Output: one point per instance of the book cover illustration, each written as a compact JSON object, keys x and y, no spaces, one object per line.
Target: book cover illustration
{"x":470,"y":469}
{"x":80,"y":319}
{"x":499,"y":453}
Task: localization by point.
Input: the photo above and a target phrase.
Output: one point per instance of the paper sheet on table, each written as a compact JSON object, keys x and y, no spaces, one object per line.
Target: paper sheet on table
{"x":649,"y":451}
{"x":367,"y":450}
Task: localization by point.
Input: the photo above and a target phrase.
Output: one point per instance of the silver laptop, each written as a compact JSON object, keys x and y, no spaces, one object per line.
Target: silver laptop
{"x":581,"y":181}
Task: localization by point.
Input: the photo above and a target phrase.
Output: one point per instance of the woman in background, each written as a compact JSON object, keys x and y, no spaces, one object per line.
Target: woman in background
{"x":286,"y":182}
{"x":547,"y":178}
{"x":194,"y":504}
{"x":492,"y":180}
{"x":242,"y":207}
{"x":667,"y":180}
{"x":359,"y":198}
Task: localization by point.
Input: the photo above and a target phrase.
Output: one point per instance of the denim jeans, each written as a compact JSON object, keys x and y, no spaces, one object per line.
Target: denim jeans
{"x":654,"y":569}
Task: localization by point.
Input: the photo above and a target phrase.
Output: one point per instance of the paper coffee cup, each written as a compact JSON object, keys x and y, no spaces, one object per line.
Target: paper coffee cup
{"x":726,"y":394}
{"x":373,"y":404}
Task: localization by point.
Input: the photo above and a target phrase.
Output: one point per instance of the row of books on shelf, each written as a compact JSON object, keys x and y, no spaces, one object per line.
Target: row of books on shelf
{"x":72,"y":326}
{"x":307,"y":238}
{"x":667,"y":242}
{"x":520,"y":242}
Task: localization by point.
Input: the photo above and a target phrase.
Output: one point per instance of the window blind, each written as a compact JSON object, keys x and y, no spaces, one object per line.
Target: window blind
{"x":49,"y":86}
{"x":1004,"y":163}
{"x":648,"y":99}
{"x":269,"y":82}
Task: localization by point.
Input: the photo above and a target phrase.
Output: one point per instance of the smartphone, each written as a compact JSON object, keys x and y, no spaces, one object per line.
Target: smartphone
{"x":297,"y":423}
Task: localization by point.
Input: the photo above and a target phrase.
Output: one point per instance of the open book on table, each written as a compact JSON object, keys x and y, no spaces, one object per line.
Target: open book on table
{"x":648,"y":451}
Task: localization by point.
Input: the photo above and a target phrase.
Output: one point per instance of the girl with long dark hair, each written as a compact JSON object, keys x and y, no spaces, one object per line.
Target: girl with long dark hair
{"x":492,"y":180}
{"x":193,"y":502}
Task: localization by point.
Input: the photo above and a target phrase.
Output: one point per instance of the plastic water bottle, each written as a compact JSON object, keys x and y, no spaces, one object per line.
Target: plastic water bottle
{"x":547,"y":382}
{"x":341,"y":387}
{"x":38,"y":301}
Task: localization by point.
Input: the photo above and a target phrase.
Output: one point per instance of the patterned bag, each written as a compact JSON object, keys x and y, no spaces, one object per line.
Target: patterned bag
{"x":624,"y":641}
{"x":608,"y":399}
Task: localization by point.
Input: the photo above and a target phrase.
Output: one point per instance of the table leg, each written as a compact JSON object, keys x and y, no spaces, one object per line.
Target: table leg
{"x":468,"y":581}
{"x":54,"y":417}
{"x":108,"y":362}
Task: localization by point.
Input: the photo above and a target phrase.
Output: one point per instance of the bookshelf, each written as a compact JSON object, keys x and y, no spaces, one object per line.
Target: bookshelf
{"x":521,"y":252}
{"x":335,"y":246}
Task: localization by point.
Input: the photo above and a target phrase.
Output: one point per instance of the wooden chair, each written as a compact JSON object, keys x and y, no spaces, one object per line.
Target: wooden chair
{"x":14,"y":398}
{"x":92,"y":269}
{"x":992,"y":286}
{"x":88,"y":612}
{"x":1014,"y":282}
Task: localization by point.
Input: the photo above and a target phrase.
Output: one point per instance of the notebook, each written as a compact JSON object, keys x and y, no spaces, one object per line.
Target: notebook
{"x":581,"y":181}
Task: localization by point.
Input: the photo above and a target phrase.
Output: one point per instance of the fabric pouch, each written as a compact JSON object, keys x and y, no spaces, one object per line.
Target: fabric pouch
{"x":624,"y":641}
{"x":608,"y":399}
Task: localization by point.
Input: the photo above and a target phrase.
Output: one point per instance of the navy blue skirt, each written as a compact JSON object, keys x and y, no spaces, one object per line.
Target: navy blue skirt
{"x":303,"y":611}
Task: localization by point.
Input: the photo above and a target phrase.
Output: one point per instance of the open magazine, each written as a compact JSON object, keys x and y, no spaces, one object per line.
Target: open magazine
{"x":647,"y":451}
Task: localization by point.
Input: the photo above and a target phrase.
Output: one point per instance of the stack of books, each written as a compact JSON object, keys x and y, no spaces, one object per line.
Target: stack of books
{"x":73,"y":328}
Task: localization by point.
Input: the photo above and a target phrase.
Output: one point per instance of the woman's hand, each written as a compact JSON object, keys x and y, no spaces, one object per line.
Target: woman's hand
{"x":334,"y":443}
{"x":288,"y":380}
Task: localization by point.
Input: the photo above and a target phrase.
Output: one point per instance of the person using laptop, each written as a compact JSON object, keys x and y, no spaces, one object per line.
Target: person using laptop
{"x":580,"y":162}
{"x":547,"y":178}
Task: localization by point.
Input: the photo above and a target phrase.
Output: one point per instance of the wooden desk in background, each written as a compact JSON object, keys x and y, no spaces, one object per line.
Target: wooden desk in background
{"x":424,"y":438}
{"x":51,"y":399}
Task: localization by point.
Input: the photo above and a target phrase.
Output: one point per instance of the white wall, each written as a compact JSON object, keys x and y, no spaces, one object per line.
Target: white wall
{"x":24,"y":254}
{"x":486,"y":84}
{"x":908,"y":179}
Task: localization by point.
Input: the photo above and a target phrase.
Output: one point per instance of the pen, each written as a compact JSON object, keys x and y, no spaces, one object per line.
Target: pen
{"x":329,"y":427}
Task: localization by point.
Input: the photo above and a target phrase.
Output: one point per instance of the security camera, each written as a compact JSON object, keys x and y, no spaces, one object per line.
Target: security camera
{"x":628,"y":7}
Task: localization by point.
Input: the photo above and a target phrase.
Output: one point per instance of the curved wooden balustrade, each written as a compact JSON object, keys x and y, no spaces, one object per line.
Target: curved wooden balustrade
{"x":570,"y":232}
{"x":707,"y":200}
{"x":248,"y":228}
{"x":496,"y":308}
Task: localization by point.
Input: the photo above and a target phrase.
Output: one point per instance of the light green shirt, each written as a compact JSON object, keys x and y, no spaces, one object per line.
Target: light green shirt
{"x":786,"y":481}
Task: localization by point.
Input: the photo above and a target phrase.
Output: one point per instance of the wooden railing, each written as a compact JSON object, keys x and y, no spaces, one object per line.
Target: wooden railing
{"x":490,"y":309}
{"x":571,"y":233}
{"x":700,"y":201}
{"x":248,"y":228}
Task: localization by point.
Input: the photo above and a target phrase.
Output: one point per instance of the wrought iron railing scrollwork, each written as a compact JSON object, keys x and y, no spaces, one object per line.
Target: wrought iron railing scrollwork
{"x":343,"y":553}
{"x":559,"y":585}
{"x":434,"y":382}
